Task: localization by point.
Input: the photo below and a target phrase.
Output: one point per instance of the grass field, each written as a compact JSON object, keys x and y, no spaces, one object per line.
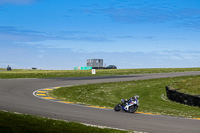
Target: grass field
{"x":20,"y":123}
{"x":190,"y":86}
{"x":152,"y":96}
{"x":25,"y":73}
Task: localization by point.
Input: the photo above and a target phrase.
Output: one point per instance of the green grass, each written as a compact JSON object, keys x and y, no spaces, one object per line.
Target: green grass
{"x":25,"y":73}
{"x":152,"y":96}
{"x":2,"y":69}
{"x":190,"y":86}
{"x":20,"y":123}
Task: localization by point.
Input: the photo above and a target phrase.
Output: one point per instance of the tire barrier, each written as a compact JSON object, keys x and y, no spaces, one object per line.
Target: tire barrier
{"x":174,"y":95}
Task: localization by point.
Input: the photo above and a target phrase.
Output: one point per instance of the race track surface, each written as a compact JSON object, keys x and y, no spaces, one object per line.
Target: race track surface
{"x":16,"y":95}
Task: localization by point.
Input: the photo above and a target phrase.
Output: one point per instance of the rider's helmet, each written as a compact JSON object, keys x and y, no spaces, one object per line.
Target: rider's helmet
{"x":136,"y":97}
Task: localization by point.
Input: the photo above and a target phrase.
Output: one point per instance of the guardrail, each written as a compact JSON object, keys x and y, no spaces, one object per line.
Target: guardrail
{"x":174,"y":95}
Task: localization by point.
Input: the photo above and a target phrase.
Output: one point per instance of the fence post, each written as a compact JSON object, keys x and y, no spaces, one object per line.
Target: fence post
{"x":93,"y":71}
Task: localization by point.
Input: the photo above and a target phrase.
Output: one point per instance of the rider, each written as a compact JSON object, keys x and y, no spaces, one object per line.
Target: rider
{"x":132,"y":99}
{"x":135,"y":98}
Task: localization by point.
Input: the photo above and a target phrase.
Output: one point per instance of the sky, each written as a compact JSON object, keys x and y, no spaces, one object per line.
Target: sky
{"x":63,"y":34}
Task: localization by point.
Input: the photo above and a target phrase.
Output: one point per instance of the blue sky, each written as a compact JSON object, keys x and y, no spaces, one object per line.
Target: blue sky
{"x":52,"y":34}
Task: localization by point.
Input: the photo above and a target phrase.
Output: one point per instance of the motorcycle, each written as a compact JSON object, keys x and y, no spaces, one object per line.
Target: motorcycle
{"x":129,"y":106}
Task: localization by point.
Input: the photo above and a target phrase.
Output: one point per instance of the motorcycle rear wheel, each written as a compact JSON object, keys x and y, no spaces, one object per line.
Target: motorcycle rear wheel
{"x":117,"y":107}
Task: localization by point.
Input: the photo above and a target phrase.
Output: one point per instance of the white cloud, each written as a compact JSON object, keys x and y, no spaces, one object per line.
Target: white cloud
{"x":69,"y":58}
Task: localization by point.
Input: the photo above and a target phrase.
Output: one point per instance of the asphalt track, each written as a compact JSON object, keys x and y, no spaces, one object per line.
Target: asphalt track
{"x":16,"y":95}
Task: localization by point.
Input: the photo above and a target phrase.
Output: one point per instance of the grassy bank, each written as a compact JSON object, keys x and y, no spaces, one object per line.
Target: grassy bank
{"x":190,"y":86}
{"x":19,"y":123}
{"x":22,"y":73}
{"x":152,"y":96}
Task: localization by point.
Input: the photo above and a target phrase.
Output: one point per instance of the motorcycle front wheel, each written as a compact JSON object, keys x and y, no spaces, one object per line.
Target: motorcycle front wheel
{"x":132,"y":109}
{"x":117,"y":107}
